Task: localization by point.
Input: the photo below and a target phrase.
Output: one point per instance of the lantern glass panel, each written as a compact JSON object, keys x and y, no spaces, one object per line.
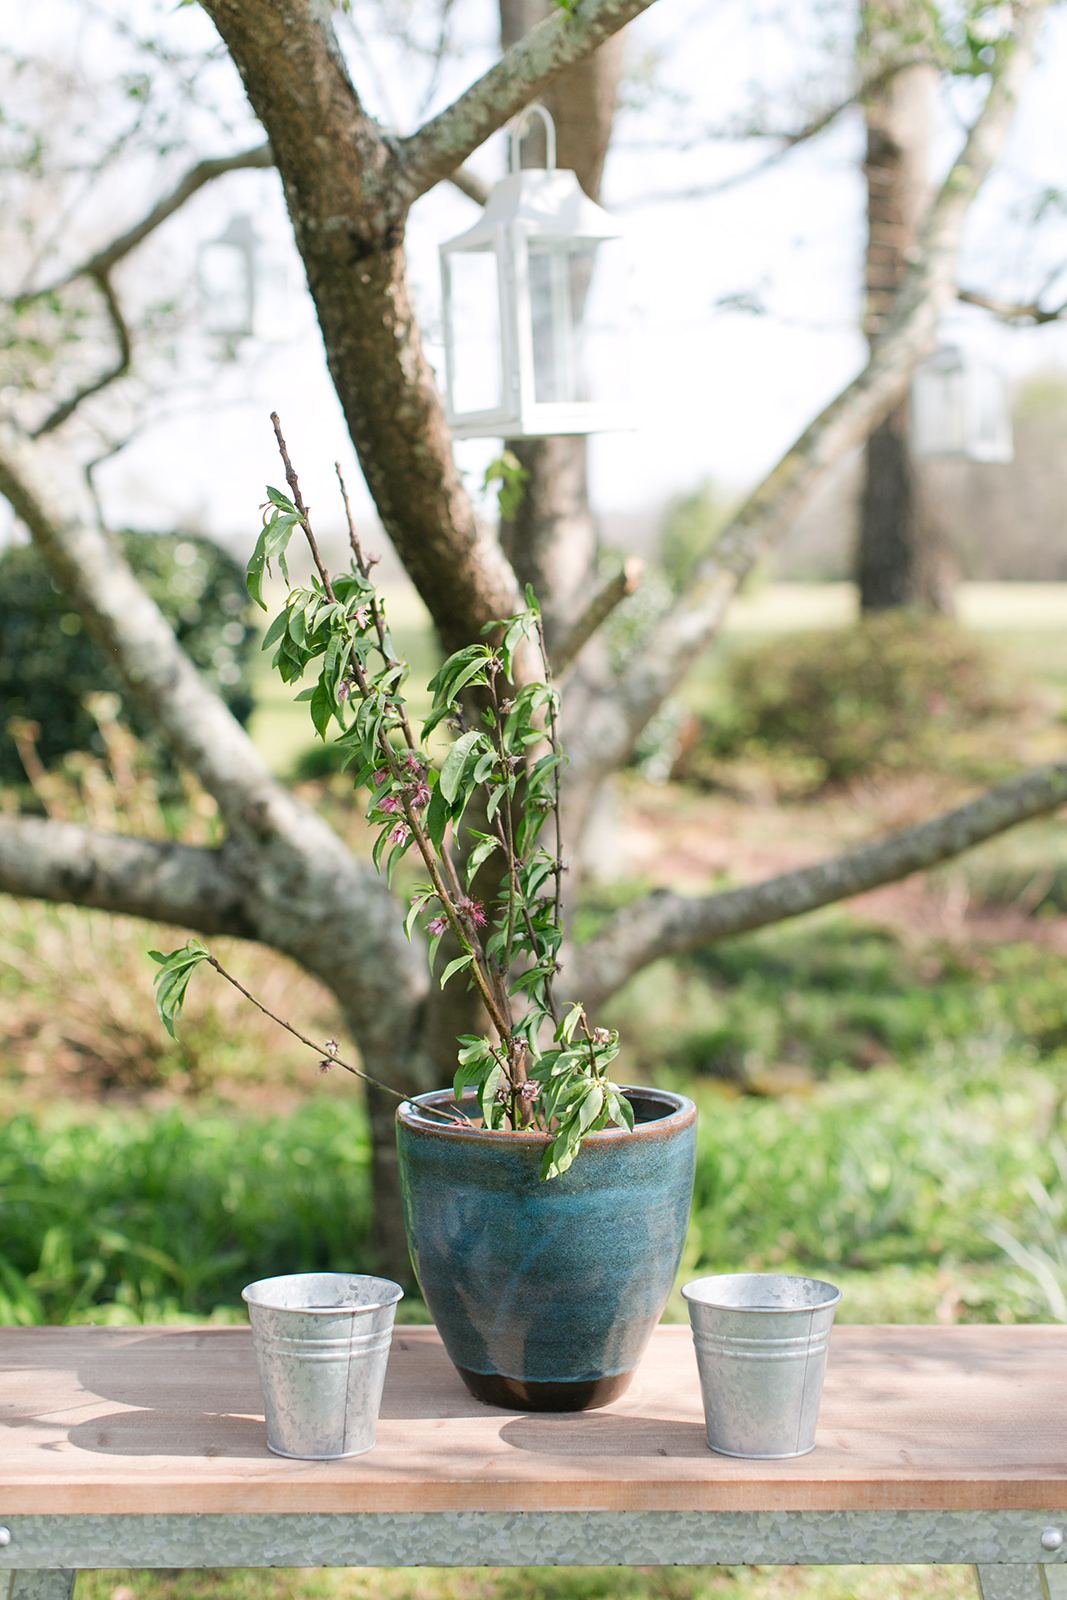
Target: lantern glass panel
{"x":939,"y":413}
{"x":473,"y":312}
{"x":226,"y":287}
{"x":578,"y":321}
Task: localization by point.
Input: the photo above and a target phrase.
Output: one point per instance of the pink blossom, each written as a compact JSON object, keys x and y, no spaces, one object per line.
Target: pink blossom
{"x":398,"y":833}
{"x":381,"y":776}
{"x":473,"y":911}
{"x":413,"y":761}
{"x":420,"y":795}
{"x":361,"y":616}
{"x":601,"y":1036}
{"x":437,"y":925}
{"x":390,"y":803}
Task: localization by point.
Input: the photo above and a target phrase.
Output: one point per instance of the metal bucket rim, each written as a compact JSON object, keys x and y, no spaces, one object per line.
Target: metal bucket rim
{"x":832,"y":1298}
{"x":678,"y":1110}
{"x":382,"y":1303}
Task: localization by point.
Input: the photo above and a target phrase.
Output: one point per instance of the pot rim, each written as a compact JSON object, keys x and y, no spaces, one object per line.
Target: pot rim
{"x":683,"y":1111}
{"x":688,"y":1293}
{"x":250,"y":1297}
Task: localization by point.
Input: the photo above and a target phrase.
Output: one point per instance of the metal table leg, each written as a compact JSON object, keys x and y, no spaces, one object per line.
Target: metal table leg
{"x":42,"y":1583}
{"x":1029,"y":1582}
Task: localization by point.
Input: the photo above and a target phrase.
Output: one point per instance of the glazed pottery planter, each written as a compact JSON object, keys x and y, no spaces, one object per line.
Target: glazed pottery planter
{"x":545,"y":1294}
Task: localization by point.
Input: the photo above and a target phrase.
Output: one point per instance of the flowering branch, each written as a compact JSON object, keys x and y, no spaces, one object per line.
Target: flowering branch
{"x":509,"y":757}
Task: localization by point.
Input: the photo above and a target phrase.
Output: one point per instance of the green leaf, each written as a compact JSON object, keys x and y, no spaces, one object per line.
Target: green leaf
{"x":565,"y":1031}
{"x":456,"y":966}
{"x":172,"y":980}
{"x":481,"y":852}
{"x":591,"y":1107}
{"x":436,"y":819}
{"x":454,"y":763}
{"x":321,"y":709}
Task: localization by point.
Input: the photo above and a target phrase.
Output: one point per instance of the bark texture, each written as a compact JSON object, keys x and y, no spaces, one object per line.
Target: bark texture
{"x":897,"y":563}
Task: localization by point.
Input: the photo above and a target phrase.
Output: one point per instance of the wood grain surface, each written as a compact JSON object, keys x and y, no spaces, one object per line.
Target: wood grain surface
{"x":169,"y":1420}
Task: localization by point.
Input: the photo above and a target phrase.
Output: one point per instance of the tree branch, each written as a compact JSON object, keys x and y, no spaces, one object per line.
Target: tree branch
{"x":74,"y":865}
{"x":118,"y":370}
{"x":788,"y":141}
{"x":203,"y":172}
{"x":601,"y":730}
{"x":303,"y":892}
{"x":1009,"y":311}
{"x":443,"y":143}
{"x":663,"y":923}
{"x":469,"y":183}
{"x":595,"y":615}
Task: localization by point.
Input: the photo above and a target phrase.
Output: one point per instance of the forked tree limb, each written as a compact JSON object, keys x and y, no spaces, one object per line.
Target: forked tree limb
{"x":665,"y":924}
{"x":522,"y":72}
{"x":600,"y":732}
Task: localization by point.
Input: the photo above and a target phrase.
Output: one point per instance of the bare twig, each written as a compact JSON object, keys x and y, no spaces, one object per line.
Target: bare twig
{"x":305,"y":523}
{"x":118,"y":370}
{"x":1010,"y":311}
{"x":203,"y":172}
{"x":325,"y":1053}
{"x":788,"y":141}
{"x":595,"y":615}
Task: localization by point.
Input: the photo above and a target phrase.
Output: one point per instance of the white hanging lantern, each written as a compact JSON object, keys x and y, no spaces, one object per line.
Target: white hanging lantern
{"x":960,"y":410}
{"x":535,"y":309}
{"x":244,"y":284}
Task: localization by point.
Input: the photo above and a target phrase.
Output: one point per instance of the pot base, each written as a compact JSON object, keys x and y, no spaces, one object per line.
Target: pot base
{"x":524,"y":1394}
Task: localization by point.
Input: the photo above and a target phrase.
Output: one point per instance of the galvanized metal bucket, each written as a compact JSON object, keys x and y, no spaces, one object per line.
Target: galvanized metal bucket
{"x":761,"y":1342}
{"x":322,"y":1343}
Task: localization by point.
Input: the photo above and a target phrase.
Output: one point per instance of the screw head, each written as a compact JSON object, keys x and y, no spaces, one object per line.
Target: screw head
{"x":5,"y":1536}
{"x":1052,"y":1539}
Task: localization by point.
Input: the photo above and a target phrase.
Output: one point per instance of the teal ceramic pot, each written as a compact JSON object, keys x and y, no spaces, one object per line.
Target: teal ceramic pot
{"x":545,"y":1294}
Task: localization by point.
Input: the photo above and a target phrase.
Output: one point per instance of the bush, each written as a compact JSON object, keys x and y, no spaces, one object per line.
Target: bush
{"x":48,"y":663}
{"x":895,"y":691}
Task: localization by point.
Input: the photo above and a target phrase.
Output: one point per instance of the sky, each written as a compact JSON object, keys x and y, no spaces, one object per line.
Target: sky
{"x":719,"y":391}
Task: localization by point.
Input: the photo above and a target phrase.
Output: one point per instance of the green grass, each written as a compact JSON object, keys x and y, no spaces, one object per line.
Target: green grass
{"x":539,"y":1583}
{"x":133,"y":1218}
{"x":887,"y":1179}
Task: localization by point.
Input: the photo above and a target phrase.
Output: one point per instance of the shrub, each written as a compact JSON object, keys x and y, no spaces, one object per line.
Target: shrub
{"x":894,"y":691}
{"x":48,"y":663}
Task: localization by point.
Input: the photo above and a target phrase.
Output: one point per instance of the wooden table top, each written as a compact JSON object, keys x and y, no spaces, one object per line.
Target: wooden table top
{"x":139,"y":1420}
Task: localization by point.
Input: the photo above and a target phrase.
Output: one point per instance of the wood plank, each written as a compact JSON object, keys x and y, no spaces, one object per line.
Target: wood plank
{"x":169,"y":1419}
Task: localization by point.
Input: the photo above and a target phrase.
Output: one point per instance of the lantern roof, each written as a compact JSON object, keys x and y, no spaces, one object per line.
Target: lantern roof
{"x":545,"y":204}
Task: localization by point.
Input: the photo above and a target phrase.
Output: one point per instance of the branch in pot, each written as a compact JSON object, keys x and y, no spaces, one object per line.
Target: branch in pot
{"x":511,"y":760}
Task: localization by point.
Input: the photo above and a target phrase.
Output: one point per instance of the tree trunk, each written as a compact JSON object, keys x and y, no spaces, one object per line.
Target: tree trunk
{"x":897,"y":563}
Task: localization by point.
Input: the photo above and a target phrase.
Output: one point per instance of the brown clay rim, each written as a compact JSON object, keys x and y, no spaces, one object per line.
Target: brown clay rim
{"x":679,"y":1112}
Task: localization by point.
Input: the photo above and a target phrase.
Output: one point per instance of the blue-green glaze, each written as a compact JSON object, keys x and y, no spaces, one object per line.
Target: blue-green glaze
{"x":556,"y":1282}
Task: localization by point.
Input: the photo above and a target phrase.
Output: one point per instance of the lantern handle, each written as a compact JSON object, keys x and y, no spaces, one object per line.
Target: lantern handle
{"x":518,"y":128}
